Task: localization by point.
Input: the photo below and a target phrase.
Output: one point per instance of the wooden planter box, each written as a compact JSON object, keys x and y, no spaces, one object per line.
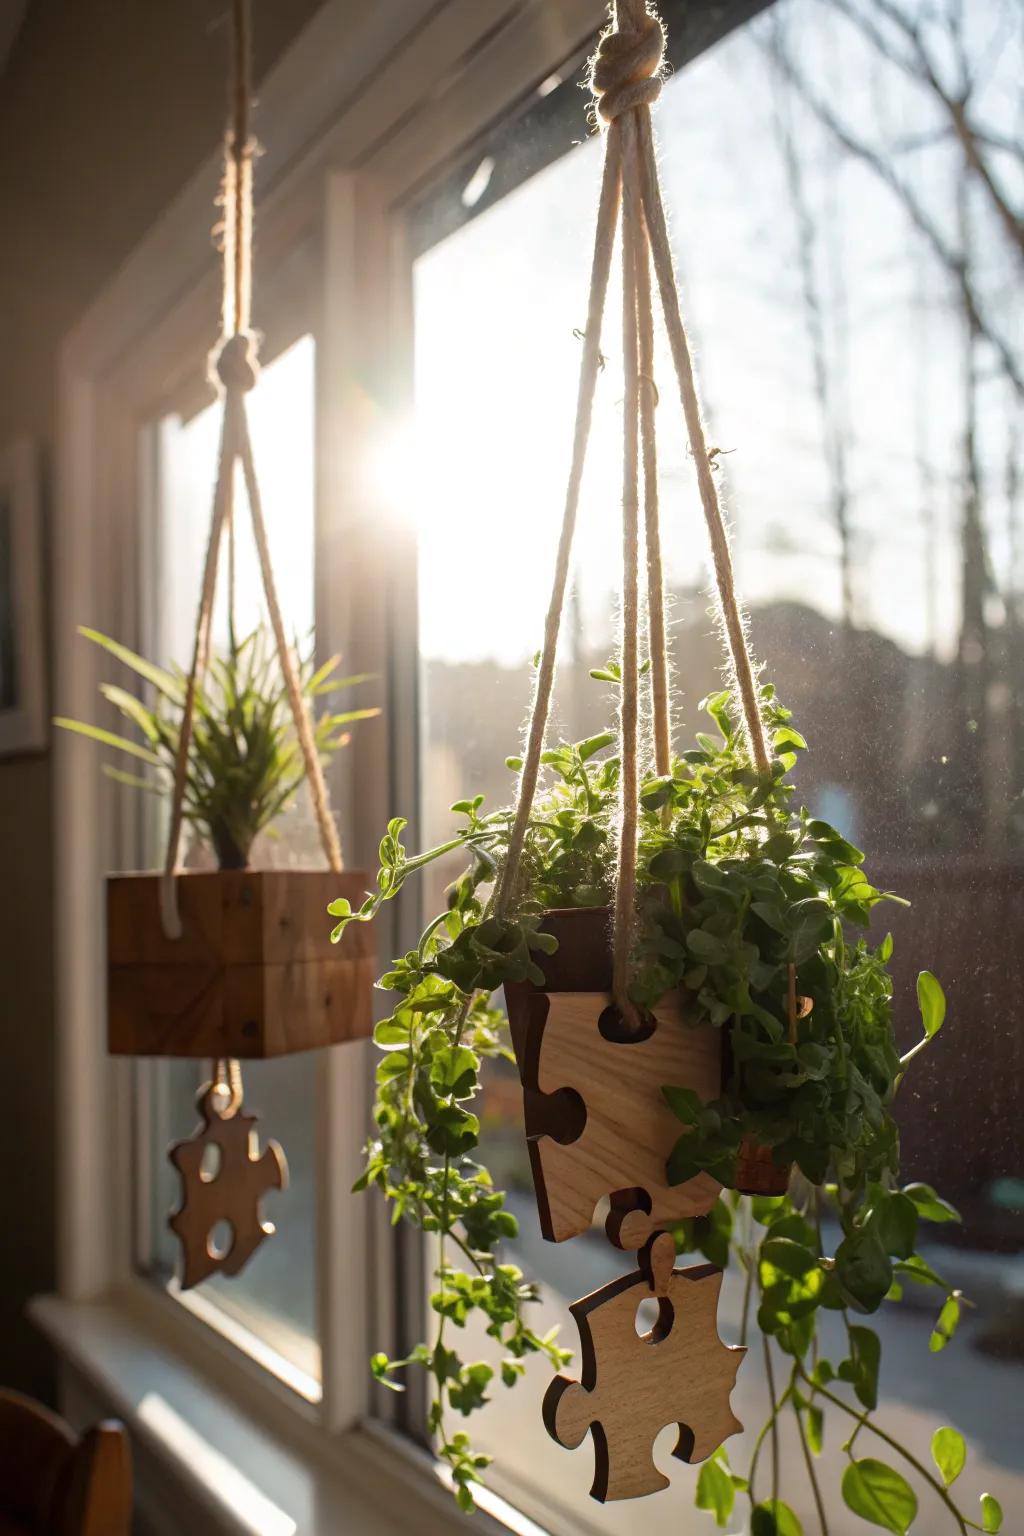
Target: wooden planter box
{"x":254,"y":973}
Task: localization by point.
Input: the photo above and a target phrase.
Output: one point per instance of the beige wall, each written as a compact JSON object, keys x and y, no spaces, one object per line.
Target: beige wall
{"x":107,"y":107}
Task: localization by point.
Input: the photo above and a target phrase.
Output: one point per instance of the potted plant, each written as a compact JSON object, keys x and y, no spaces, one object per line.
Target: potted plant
{"x":250,"y":975}
{"x":756,"y":911}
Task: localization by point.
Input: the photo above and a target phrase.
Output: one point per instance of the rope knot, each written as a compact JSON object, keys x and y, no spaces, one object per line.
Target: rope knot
{"x":624,"y":73}
{"x":235,"y":364}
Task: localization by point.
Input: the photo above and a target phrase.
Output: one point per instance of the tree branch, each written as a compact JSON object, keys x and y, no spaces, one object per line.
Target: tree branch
{"x":949,"y":258}
{"x":920,"y":67}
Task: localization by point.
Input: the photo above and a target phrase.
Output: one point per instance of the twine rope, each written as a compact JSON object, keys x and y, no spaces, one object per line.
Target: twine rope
{"x":741,"y":662}
{"x":590,"y":366}
{"x":629,"y":776}
{"x":227,"y":1076}
{"x":657,"y":648}
{"x":235,"y":365}
{"x":625,"y":78}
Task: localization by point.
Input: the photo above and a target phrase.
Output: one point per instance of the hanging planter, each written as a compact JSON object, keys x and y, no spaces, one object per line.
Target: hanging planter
{"x":232,"y":963}
{"x":252,"y":975}
{"x":251,"y":972}
{"x":734,"y":917}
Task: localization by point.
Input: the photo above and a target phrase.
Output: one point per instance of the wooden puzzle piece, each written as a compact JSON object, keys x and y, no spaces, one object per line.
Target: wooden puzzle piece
{"x":633,"y":1386}
{"x":230,"y":1192}
{"x":628,"y":1130}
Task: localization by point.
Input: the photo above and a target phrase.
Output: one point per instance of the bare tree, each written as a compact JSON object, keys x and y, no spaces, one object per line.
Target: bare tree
{"x":934,"y":50}
{"x":833,"y":426}
{"x":882,"y":162}
{"x":972,"y":673}
{"x":907,"y":45}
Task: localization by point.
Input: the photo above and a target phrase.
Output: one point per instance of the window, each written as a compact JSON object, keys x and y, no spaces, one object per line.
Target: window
{"x":877,"y":555}
{"x":275,"y":1295}
{"x":869,"y":435}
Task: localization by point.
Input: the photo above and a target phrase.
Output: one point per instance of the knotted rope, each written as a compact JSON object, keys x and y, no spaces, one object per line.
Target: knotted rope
{"x":235,"y":367}
{"x":626,"y":80}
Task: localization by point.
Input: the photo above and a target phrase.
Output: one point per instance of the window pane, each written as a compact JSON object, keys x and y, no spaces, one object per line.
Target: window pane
{"x":869,"y":430}
{"x":275,"y":1295}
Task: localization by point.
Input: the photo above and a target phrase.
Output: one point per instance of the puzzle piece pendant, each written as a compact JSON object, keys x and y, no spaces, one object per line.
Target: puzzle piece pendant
{"x":597,"y":1121}
{"x":230,"y":1192}
{"x":679,"y":1373}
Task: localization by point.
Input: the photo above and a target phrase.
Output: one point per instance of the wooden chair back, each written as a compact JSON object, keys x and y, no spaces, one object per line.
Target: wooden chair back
{"x":54,"y":1482}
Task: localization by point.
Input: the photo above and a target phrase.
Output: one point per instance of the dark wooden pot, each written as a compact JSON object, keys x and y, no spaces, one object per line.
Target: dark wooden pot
{"x":757,"y":1172}
{"x":254,"y":973}
{"x":581,"y":963}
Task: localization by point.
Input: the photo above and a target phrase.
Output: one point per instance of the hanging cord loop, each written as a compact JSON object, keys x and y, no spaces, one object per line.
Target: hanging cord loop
{"x":234,"y":364}
{"x":629,"y":660}
{"x":625,"y":72}
{"x":227,"y":1086}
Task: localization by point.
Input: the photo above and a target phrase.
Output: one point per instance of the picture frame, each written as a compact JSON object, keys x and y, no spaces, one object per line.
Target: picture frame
{"x":23,"y":726}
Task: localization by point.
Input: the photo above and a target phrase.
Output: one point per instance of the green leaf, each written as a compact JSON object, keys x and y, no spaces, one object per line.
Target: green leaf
{"x":815,"y":1428}
{"x":991,"y":1514}
{"x":108,"y":739}
{"x":454,"y":1131}
{"x":894,"y":1218}
{"x":379,"y":1367}
{"x":389,"y":1033}
{"x":946,"y":1325}
{"x":132,"y":780}
{"x":861,"y":1369}
{"x":932,"y":1002}
{"x":930,"y":1206}
{"x":594,"y":744}
{"x":715,"y":1491}
{"x":171,"y":687}
{"x":880,"y":1495}
{"x":792,"y":1258}
{"x":684,"y":1103}
{"x":133,"y":709}
{"x":453,"y":1070}
{"x":863,"y":1270}
{"x":949,"y":1453}
{"x":779,"y":846}
{"x":773,"y":1518}
{"x":706,"y":947}
{"x":808,"y":922}
{"x":786,"y":736}
{"x":917,"y":1269}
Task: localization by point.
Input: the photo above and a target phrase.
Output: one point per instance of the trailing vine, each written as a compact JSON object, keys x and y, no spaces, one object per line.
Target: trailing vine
{"x":738,"y":885}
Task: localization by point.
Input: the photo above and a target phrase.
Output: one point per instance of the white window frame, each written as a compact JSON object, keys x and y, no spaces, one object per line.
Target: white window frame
{"x":369,"y":106}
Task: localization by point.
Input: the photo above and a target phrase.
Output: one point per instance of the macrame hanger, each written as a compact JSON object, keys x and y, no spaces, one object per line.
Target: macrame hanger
{"x":235,"y":367}
{"x":227,"y":1085}
{"x":625,"y":79}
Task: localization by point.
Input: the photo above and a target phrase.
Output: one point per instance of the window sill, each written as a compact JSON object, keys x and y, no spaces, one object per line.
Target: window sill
{"x":204,"y":1450}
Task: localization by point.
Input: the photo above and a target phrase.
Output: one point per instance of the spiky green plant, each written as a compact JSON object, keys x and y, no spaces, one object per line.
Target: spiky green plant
{"x":244,"y":763}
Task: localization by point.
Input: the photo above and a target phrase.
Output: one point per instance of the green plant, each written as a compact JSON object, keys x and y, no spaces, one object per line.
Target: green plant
{"x":244,"y":761}
{"x":737,"y":885}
